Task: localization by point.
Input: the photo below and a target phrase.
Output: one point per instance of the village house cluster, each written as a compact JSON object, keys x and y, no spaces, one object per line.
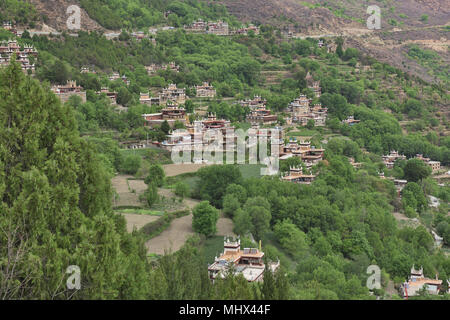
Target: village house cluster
{"x":9,"y":26}
{"x":153,"y":68}
{"x":389,"y":160}
{"x":140,"y":35}
{"x":171,"y":114}
{"x":248,"y":262}
{"x":301,"y":112}
{"x":205,"y":130}
{"x":310,"y":156}
{"x":111,"y":95}
{"x":219,"y":28}
{"x":88,"y":70}
{"x":296,"y":175}
{"x":351,"y":121}
{"x":205,"y":91}
{"x":171,"y":95}
{"x":114,"y":76}
{"x":434,"y":165}
{"x":64,"y":92}
{"x":246,"y":30}
{"x":259,"y":114}
{"x":356,"y":165}
{"x":10,"y":48}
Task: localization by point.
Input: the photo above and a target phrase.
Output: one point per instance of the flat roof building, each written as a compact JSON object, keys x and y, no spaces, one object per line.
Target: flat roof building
{"x":248,"y":262}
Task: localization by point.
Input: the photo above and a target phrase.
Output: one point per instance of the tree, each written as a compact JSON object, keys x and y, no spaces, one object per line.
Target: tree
{"x":205,"y":218}
{"x":238,"y":191}
{"x":416,"y":170}
{"x":310,"y":124}
{"x":131,"y":164}
{"x":258,"y":208}
{"x":214,"y":181}
{"x":178,"y":125}
{"x":339,"y":51}
{"x":443,"y":229}
{"x":189,"y":106}
{"x":230,"y":205}
{"x":181,"y":189}
{"x":156,"y":174}
{"x":269,"y":288}
{"x":124,"y":97}
{"x":414,"y":197}
{"x":350,"y":53}
{"x":290,"y":237}
{"x":285,"y":165}
{"x":413,"y":108}
{"x":57,"y":72}
{"x":337,"y":105}
{"x":165,"y":127}
{"x":56,"y":199}
{"x":151,"y":195}
{"x":242,"y":222}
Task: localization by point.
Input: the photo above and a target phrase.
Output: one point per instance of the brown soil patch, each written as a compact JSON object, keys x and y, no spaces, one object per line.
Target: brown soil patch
{"x":137,"y":220}
{"x":225,"y":227}
{"x":176,"y":169}
{"x":138,"y":185}
{"x":173,"y":238}
{"x":127,"y":198}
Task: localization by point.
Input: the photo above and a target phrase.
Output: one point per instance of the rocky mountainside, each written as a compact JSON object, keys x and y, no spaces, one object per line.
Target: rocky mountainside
{"x":55,"y":13}
{"x":338,"y":15}
{"x":403,"y":22}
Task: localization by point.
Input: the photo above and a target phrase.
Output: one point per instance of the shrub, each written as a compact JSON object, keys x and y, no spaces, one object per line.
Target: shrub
{"x":205,"y":218}
{"x":130,"y":164}
{"x":181,"y":189}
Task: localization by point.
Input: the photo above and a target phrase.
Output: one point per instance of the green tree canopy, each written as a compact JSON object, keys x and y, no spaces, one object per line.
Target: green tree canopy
{"x":416,"y":170}
{"x":205,"y":218}
{"x":55,"y":208}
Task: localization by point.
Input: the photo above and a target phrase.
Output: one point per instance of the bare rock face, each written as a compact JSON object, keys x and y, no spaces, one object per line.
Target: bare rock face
{"x":297,"y":12}
{"x":303,"y":19}
{"x":281,"y":13}
{"x":56,"y":13}
{"x":401,"y":25}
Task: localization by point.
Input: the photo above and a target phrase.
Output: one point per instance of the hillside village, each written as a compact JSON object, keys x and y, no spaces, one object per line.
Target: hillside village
{"x":363,"y":154}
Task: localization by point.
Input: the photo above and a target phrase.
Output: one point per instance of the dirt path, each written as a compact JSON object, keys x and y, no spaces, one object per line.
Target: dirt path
{"x":137,"y":220}
{"x":173,"y":238}
{"x":176,"y":169}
